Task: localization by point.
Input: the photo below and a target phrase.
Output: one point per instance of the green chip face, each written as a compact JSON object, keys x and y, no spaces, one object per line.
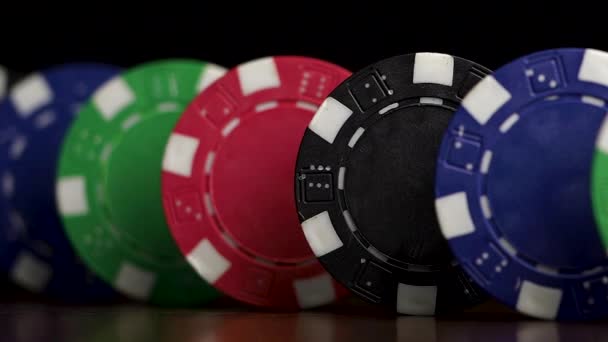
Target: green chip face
{"x":599,"y":190}
{"x":109,"y":190}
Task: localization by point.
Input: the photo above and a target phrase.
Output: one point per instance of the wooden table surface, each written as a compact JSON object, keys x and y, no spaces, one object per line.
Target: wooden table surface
{"x":27,"y":318}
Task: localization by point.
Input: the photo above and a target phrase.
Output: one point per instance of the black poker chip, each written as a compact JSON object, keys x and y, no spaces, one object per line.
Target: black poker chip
{"x":365,"y":183}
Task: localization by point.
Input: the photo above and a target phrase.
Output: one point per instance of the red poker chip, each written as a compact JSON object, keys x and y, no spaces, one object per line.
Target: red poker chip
{"x":228,"y":182}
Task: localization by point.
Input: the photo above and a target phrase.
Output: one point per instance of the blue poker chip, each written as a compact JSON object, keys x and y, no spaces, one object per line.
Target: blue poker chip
{"x":513,"y":184}
{"x":3,"y":82}
{"x":7,"y":78}
{"x":34,"y":250}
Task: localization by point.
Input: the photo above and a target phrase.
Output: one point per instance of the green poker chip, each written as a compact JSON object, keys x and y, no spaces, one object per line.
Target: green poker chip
{"x":109,"y":188}
{"x":599,"y":184}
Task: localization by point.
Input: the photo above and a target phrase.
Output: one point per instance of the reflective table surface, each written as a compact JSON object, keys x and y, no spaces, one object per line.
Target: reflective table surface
{"x":24,"y":318}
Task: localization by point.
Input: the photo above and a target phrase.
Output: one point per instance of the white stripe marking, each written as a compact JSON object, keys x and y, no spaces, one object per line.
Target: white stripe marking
{"x":485,"y":206}
{"x":594,"y":101}
{"x":353,"y":140}
{"x":486,"y":160}
{"x":130,"y":122}
{"x":341,"y":172}
{"x":507,"y":246}
{"x":230,"y":126}
{"x":208,"y":204}
{"x":593,"y":270}
{"x":431,"y":100}
{"x":168,"y":107}
{"x":387,"y":108}
{"x":508,"y":123}
{"x":266,"y":106}
{"x":173,"y":88}
{"x":209,"y":162}
{"x":547,"y":269}
{"x":349,"y":221}
{"x":105,"y":153}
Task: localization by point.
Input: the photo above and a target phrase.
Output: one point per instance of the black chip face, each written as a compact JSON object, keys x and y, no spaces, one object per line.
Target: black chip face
{"x":367,"y":91}
{"x":318,"y":187}
{"x":367,"y":161}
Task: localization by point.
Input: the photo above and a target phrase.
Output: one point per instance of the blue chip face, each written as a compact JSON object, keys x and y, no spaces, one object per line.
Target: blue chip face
{"x":34,"y":251}
{"x":513,"y":184}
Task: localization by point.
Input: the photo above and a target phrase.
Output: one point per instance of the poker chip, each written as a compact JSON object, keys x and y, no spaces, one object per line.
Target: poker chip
{"x":3,"y":82}
{"x":7,"y":79}
{"x":513,"y":179}
{"x":599,"y":183}
{"x":364,"y":183}
{"x":227,"y":182}
{"x":34,"y":250}
{"x":108,"y":187}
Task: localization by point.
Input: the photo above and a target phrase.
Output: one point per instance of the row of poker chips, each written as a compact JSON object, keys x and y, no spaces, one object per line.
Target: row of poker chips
{"x":516,"y":159}
{"x":423,"y":182}
{"x":83,"y":154}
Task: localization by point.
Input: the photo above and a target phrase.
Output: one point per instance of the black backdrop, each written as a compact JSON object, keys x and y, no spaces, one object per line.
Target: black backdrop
{"x":35,"y":35}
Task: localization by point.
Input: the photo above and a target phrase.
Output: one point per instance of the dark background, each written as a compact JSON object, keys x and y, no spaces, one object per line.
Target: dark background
{"x":36,"y":35}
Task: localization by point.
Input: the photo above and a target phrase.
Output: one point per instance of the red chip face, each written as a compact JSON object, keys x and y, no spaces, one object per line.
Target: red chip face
{"x":228,"y":182}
